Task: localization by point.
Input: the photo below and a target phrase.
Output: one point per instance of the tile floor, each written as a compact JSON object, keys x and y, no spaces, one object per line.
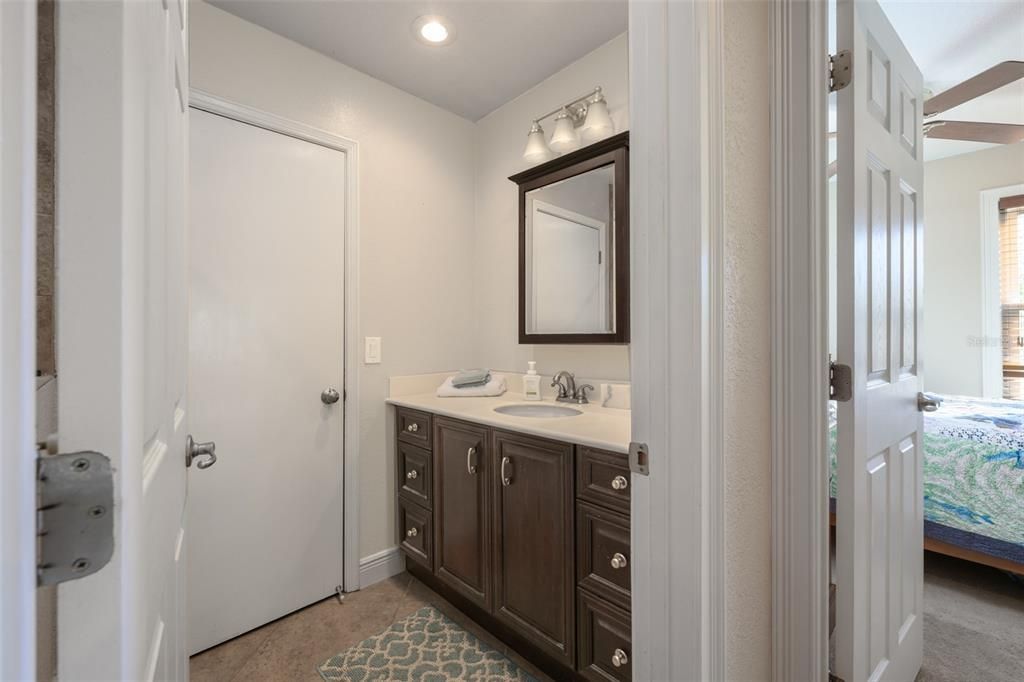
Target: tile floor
{"x":292,"y":647}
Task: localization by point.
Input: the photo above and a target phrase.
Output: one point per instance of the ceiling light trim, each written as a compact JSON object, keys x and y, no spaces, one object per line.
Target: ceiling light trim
{"x":421,"y":22}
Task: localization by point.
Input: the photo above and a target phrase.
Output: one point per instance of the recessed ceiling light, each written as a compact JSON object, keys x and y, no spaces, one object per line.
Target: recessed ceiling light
{"x":433,"y":30}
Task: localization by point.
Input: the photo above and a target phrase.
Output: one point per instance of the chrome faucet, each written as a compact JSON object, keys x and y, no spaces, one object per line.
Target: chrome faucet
{"x":568,"y":392}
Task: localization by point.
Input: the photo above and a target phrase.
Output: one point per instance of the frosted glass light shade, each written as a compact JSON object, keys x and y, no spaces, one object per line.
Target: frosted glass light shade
{"x":537,"y":150}
{"x":564,"y":138}
{"x":598,"y":124}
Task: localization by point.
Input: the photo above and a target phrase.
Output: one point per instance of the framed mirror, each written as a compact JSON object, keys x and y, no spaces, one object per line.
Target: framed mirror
{"x":574,"y":246}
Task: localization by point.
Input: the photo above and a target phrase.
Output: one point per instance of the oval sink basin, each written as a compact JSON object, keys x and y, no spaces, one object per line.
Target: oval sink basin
{"x":537,"y":411}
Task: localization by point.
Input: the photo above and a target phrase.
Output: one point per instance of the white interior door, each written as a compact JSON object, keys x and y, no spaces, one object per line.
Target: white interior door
{"x":266,"y":242}
{"x":122,"y":323}
{"x":880,"y":495}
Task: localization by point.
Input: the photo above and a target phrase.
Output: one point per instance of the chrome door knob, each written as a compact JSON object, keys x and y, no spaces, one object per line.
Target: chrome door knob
{"x":194,"y":450}
{"x":926,"y":404}
{"x":618,"y":561}
{"x":619,"y":658}
{"x":330,"y":396}
{"x":619,"y":483}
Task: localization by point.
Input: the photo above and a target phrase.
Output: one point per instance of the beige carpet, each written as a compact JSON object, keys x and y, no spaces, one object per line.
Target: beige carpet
{"x":973,"y":623}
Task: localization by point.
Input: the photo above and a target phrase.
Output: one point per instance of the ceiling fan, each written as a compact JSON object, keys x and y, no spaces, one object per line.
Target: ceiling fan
{"x":985,"y":82}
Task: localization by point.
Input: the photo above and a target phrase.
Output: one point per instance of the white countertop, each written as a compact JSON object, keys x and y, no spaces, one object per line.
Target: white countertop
{"x":600,"y":427}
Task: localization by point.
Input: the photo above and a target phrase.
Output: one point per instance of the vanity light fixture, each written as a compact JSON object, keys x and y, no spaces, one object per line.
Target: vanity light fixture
{"x":433,"y":30}
{"x":589,"y":113}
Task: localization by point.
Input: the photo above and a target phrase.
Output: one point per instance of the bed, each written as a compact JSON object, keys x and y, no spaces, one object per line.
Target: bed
{"x":973,"y":480}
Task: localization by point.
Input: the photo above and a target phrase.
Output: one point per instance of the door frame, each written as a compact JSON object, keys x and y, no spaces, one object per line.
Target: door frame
{"x":676,"y":69}
{"x":18,"y":340}
{"x":221,"y":106}
{"x":799,"y":120}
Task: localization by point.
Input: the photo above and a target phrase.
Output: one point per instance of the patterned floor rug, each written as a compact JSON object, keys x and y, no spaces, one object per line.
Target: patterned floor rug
{"x":425,"y":647}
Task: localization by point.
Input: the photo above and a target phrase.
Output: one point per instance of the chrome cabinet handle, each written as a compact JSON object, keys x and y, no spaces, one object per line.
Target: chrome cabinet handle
{"x":506,"y":480}
{"x":194,"y":450}
{"x":412,"y":428}
{"x":926,"y":404}
{"x":619,"y":483}
{"x":618,"y":561}
{"x":412,"y":532}
{"x":619,"y":658}
{"x":412,"y":474}
{"x":330,"y":396}
{"x":470,"y":467}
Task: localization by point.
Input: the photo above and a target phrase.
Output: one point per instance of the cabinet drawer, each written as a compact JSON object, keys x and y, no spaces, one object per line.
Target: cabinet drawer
{"x":415,"y":427}
{"x":603,"y":478}
{"x":602,"y":541}
{"x":415,"y":474}
{"x":416,"y":533}
{"x":605,"y":651}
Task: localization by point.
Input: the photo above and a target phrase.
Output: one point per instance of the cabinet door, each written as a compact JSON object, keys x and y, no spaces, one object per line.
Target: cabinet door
{"x":462,"y":551}
{"x":533,"y":577}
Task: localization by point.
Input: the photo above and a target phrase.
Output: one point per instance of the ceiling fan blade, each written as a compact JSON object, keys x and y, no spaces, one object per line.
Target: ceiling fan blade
{"x":974,"y":131}
{"x":986,"y":81}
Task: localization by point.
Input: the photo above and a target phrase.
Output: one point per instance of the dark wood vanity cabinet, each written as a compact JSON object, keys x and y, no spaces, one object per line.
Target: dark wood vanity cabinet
{"x":529,"y":536}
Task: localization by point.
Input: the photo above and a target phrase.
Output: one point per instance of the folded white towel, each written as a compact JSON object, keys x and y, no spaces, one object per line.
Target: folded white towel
{"x":494,"y":387}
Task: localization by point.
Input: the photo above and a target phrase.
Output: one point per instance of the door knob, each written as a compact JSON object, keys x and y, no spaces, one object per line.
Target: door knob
{"x":926,"y":404}
{"x":330,"y":396}
{"x":194,"y":450}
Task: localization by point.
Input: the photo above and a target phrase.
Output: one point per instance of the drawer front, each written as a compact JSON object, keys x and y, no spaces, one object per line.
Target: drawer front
{"x":603,"y":562}
{"x":415,"y":474}
{"x":605,"y":648}
{"x":415,"y":427}
{"x":416,"y":533}
{"x":603,"y":478}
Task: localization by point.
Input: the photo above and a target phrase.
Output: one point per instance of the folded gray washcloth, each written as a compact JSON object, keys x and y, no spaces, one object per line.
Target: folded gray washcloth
{"x":471,"y":377}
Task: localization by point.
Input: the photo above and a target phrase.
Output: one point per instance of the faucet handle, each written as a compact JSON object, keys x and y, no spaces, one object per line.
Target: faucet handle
{"x":581,"y":393}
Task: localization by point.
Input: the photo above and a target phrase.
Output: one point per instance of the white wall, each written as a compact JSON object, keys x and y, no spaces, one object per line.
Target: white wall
{"x":501,"y":136}
{"x":952,"y":263}
{"x":416,"y":215}
{"x":747,"y":341}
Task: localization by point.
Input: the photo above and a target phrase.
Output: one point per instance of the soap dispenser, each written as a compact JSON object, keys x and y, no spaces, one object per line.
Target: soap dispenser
{"x":531,"y":383}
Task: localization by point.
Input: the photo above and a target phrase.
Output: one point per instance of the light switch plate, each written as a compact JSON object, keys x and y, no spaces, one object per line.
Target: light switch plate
{"x":372,"y":355}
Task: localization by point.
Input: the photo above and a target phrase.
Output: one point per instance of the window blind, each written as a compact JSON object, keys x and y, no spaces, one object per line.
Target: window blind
{"x":1011,"y":293}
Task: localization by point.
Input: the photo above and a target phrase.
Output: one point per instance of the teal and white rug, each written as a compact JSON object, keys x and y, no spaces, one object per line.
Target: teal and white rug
{"x":425,"y":647}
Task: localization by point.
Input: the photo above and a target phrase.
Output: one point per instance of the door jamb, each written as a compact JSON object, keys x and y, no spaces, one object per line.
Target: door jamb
{"x":799,"y":118}
{"x":676,"y":57}
{"x":214,"y":104}
{"x":17,"y":340}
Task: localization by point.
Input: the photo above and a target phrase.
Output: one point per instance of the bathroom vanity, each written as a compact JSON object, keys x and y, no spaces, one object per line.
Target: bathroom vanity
{"x":527,"y":534}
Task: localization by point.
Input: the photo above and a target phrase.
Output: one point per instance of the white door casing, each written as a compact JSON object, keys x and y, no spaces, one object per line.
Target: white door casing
{"x":122,"y":77}
{"x":266,"y":274}
{"x":879,"y":549}
{"x":17,"y":339}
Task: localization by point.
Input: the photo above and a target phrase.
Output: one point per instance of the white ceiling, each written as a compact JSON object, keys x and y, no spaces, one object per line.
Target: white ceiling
{"x":952,"y":41}
{"x":502,"y":47}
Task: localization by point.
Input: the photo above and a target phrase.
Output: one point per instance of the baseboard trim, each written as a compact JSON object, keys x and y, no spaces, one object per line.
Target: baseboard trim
{"x":380,"y":566}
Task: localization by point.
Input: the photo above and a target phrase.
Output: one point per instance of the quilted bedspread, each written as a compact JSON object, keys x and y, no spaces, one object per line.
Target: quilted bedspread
{"x":973,"y":474}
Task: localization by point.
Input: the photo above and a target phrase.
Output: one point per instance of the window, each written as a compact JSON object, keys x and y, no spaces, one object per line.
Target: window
{"x":1011,"y":293}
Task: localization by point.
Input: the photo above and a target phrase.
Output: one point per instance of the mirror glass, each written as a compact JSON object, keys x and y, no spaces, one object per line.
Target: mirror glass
{"x":570,"y":244}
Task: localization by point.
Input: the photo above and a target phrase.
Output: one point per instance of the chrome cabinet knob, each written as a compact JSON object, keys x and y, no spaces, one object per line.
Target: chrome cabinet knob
{"x":620,"y":483}
{"x":412,"y":532}
{"x":619,"y":658}
{"x":330,"y":396}
{"x":412,"y":474}
{"x":194,"y":450}
{"x":618,"y":561}
{"x":412,"y":428}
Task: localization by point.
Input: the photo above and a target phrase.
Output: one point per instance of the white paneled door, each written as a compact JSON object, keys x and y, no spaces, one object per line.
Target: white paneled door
{"x":122,"y":323}
{"x":266,"y":272}
{"x":880,"y":496}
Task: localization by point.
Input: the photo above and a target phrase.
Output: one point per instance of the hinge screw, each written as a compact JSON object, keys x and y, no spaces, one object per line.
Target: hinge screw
{"x":79,"y":565}
{"x":80,"y":464}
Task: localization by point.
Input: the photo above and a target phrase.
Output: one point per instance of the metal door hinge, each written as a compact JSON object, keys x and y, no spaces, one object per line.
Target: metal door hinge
{"x":840,"y":70}
{"x":639,"y":459}
{"x":840,"y":382}
{"x":75,"y":516}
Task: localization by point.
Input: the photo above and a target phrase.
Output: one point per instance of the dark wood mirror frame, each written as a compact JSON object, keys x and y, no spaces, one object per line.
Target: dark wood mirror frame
{"x":612,"y":150}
